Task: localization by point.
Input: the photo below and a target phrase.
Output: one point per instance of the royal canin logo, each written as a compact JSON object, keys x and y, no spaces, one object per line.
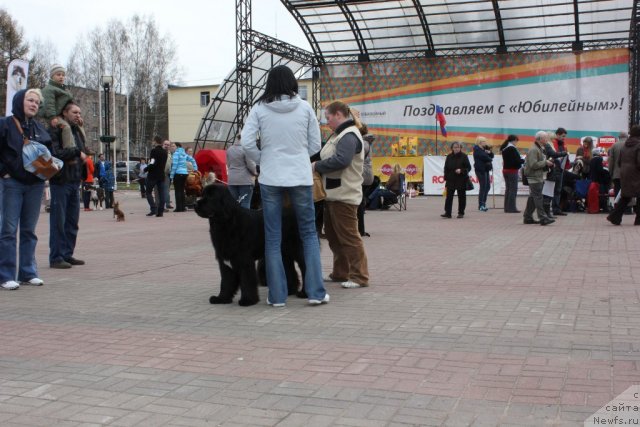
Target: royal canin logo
{"x":411,"y":169}
{"x":386,"y":169}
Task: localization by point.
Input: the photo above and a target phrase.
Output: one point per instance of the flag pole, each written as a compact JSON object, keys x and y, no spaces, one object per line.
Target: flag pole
{"x":436,"y":117}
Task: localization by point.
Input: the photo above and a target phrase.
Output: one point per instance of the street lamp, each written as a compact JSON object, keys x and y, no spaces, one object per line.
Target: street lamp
{"x":107,"y":139}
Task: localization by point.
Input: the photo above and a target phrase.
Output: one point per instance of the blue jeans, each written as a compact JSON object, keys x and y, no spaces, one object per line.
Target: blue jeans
{"x":242,"y":191}
{"x":302,"y":202}
{"x":485,"y":184}
{"x":63,"y":221}
{"x":21,"y":208}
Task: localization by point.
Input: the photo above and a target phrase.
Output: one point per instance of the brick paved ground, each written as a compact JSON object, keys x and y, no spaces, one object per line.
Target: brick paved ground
{"x":482,"y":321}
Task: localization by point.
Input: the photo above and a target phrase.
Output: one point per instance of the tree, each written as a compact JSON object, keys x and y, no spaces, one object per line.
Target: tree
{"x":43,"y":56}
{"x":12,"y":46}
{"x":142,"y":61}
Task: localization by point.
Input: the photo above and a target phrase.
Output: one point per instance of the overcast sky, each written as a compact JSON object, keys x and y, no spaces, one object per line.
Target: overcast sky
{"x":203,"y":30}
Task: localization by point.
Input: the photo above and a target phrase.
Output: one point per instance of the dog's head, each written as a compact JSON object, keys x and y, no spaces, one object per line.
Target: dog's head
{"x":216,"y":202}
{"x":116,"y":205}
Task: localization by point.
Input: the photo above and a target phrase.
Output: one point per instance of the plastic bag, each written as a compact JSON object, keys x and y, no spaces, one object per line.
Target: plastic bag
{"x":38,"y":160}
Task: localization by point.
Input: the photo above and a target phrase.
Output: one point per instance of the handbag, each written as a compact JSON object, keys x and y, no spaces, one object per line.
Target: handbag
{"x":37,"y":159}
{"x":469,"y":185}
{"x":318,"y":188}
{"x":525,"y":181}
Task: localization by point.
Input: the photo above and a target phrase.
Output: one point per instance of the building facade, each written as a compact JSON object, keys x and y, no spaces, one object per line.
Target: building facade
{"x":188,"y":105}
{"x":92,"y":104}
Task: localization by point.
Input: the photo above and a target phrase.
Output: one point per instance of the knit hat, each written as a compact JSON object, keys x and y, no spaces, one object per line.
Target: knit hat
{"x":55,"y":68}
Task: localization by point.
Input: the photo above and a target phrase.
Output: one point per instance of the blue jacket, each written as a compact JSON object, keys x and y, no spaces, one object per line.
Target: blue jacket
{"x":108,"y":181}
{"x":179,"y":163}
{"x":482,"y":161}
{"x":11,"y":141}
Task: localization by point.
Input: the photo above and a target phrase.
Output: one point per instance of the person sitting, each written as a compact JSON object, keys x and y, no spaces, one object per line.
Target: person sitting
{"x":388,"y":193}
{"x":600,"y":175}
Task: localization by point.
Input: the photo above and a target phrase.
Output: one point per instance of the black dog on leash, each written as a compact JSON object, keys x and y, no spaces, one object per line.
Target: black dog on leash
{"x":237,"y":235}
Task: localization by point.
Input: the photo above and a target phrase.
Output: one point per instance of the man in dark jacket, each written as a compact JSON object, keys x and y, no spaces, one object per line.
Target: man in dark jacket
{"x":156,"y":177}
{"x":65,"y":186}
{"x":629,"y":164}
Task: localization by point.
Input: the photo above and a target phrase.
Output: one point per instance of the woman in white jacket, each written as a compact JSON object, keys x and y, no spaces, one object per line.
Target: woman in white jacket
{"x":289,"y":135}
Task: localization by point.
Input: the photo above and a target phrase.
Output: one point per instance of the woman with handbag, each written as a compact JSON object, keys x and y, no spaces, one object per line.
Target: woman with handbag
{"x":22,"y":191}
{"x":456,"y":176}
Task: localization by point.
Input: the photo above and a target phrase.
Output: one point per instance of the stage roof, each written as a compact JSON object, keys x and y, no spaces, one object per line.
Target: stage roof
{"x":366,"y":30}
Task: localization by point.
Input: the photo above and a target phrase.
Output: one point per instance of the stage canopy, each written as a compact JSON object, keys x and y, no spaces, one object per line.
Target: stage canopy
{"x":368,"y":31}
{"x":350,"y":31}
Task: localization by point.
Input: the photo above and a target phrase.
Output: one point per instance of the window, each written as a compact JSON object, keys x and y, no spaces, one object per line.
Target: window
{"x":302,"y":91}
{"x":95,"y":109}
{"x":120,"y":112}
{"x":94,"y":134}
{"x":204,"y":98}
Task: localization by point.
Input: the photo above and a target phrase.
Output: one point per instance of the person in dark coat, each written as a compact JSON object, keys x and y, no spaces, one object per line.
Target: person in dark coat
{"x":599,"y":175}
{"x":629,"y":164}
{"x":65,"y":187}
{"x":156,"y":177}
{"x":456,"y":175}
{"x":22,"y":193}
{"x":483,"y":165}
{"x":511,"y":164}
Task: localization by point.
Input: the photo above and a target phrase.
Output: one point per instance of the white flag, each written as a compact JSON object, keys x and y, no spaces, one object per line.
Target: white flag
{"x":17,"y":74}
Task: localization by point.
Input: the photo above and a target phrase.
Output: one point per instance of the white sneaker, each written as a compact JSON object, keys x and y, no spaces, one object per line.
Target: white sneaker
{"x":350,"y":285}
{"x":318,"y":302}
{"x":34,"y":282}
{"x":327,"y":278}
{"x":277,"y":305}
{"x":10,"y":285}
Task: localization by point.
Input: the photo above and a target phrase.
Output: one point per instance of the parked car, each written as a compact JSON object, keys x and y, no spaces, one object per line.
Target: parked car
{"x":121,"y":171}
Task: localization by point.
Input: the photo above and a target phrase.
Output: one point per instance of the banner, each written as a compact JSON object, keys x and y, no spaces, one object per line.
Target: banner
{"x":411,"y":167}
{"x":434,"y":177}
{"x":489,"y":95}
{"x":17,"y":73}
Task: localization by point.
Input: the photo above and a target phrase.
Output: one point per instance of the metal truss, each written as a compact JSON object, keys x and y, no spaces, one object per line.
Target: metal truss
{"x":243,"y":61}
{"x":634,"y":66}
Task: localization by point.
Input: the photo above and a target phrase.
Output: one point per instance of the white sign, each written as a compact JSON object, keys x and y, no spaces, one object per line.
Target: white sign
{"x":17,"y":74}
{"x":434,"y":177}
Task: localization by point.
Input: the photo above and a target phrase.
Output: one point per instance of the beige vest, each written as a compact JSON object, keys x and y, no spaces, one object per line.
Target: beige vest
{"x":344,"y":185}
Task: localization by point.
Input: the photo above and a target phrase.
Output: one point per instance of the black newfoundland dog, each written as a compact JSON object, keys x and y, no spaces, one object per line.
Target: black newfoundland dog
{"x":237,"y":235}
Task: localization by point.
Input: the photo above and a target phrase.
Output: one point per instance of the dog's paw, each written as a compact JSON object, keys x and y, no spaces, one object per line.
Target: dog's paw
{"x":217,"y":300}
{"x":301,"y":294}
{"x":245,"y":302}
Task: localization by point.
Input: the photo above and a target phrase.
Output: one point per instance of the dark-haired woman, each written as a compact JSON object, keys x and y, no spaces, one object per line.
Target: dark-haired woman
{"x":289,"y":135}
{"x":456,"y":175}
{"x":511,"y":164}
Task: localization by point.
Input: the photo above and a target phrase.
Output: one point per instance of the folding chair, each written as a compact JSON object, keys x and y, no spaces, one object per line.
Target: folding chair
{"x":401,"y":204}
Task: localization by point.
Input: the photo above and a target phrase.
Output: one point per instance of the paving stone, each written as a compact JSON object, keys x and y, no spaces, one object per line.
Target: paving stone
{"x":529,"y":333}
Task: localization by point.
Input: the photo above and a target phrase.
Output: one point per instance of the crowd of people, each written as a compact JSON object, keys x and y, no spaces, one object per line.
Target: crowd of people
{"x":51,"y":121}
{"x":280,"y":145}
{"x":556,"y":184}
